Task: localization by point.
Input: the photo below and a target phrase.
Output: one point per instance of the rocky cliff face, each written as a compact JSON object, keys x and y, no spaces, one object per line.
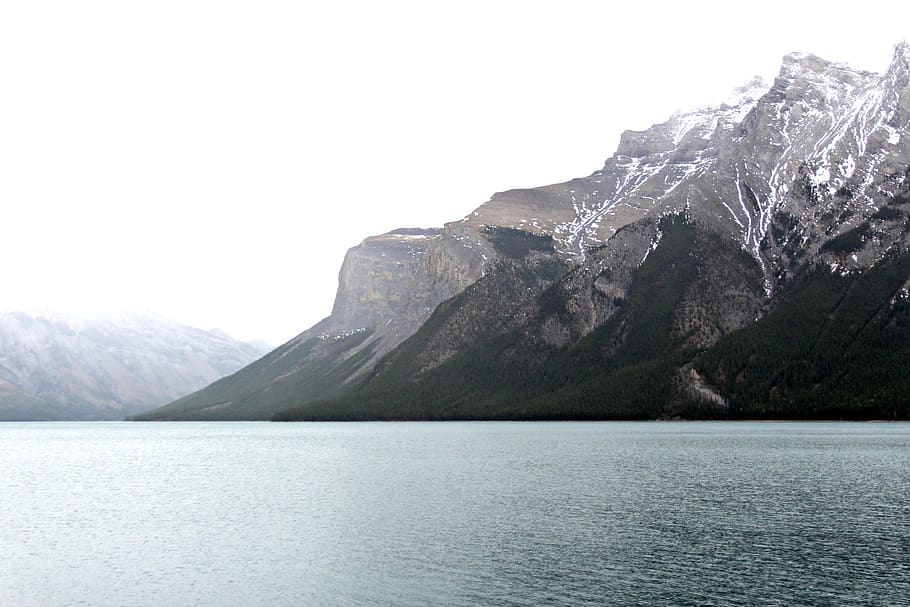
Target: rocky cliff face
{"x":384,"y":278}
{"x":390,"y":284}
{"x":779,"y":168}
{"x":387,"y":288}
{"x":53,"y":367}
{"x":694,"y":230}
{"x":649,"y":172}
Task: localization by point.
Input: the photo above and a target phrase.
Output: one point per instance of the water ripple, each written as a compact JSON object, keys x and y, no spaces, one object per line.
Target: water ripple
{"x":713,"y":514}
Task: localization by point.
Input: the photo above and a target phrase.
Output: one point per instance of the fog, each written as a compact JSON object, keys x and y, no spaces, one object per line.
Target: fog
{"x":212,"y":161}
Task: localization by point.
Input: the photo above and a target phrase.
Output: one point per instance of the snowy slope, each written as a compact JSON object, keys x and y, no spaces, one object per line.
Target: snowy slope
{"x":822,"y":140}
{"x":107,"y":368}
{"x":810,"y":170}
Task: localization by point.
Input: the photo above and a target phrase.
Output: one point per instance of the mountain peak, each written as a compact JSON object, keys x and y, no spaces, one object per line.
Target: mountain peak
{"x":807,"y":65}
{"x":696,"y":227}
{"x":667,"y":136}
{"x":756,"y":85}
{"x":806,"y":61}
{"x":746,"y":95}
{"x":901,"y":58}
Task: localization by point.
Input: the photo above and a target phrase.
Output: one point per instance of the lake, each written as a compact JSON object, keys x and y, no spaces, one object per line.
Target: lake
{"x":650,"y":514}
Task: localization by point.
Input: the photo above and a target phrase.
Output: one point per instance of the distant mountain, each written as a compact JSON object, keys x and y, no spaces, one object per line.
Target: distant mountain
{"x":58,"y":367}
{"x":16,"y":405}
{"x":744,"y":260}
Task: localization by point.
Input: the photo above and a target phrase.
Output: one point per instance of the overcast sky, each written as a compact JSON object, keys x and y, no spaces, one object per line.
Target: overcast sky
{"x":211,"y":161}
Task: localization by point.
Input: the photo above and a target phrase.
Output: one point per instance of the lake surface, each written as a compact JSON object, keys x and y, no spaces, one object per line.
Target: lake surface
{"x":650,"y":514}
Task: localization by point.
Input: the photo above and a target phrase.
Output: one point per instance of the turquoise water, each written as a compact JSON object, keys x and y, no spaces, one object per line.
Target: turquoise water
{"x":622,"y":514}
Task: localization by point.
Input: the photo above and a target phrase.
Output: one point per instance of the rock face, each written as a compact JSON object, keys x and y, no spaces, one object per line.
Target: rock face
{"x":53,"y":367}
{"x":780,"y":169}
{"x":650,"y":172}
{"x":696,"y":232}
{"x":587,"y":343}
{"x":387,"y":288}
{"x":391,"y":283}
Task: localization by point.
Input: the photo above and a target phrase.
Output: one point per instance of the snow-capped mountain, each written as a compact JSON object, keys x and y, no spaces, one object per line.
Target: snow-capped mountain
{"x":648,"y":168}
{"x":55,"y":366}
{"x":823,"y":146}
{"x":730,"y":261}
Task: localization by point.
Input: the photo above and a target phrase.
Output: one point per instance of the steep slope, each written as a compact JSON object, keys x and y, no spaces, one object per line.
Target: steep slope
{"x":651,"y":171}
{"x":57,"y":367}
{"x":609,"y":286}
{"x":836,"y":347}
{"x":778,"y":168}
{"x":387,"y":287}
{"x":778,"y":188}
{"x":538,"y":356}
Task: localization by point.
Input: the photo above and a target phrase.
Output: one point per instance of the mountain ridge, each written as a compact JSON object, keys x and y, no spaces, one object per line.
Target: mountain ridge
{"x":70,"y":367}
{"x":757,"y":198}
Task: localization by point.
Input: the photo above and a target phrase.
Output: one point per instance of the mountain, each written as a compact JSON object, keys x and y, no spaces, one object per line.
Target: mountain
{"x":387,"y":287}
{"x":60,"y":367}
{"x":748,"y":259}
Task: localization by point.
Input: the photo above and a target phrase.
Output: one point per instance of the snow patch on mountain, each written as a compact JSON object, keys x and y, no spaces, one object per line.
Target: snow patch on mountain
{"x":640,"y":182}
{"x":106,"y":367}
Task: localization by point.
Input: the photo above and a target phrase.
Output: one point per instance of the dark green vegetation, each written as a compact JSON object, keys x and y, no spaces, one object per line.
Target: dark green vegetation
{"x":888,"y":213}
{"x":317,"y":368}
{"x":834,"y":347}
{"x":661,"y":299}
{"x":517,"y":244}
{"x":674,"y":336}
{"x":501,"y":369}
{"x":848,"y":242}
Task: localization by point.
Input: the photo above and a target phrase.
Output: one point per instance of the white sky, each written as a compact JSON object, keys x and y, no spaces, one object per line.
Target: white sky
{"x":212,"y":160}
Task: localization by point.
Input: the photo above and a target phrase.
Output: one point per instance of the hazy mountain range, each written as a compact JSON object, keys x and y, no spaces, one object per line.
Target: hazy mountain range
{"x":744,"y":260}
{"x":55,"y":366}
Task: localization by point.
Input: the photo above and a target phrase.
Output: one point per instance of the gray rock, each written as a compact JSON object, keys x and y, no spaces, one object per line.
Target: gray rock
{"x":796,"y":173}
